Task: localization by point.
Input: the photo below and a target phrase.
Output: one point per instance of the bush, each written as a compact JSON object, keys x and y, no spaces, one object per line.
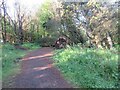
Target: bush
{"x":47,"y":41}
{"x":91,"y":68}
{"x":30,"y":46}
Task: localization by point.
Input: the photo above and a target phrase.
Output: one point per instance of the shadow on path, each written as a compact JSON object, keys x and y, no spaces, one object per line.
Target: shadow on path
{"x":38,"y":71}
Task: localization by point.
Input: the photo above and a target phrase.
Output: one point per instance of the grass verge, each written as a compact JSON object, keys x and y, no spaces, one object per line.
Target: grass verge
{"x":88,"y":68}
{"x":10,"y":57}
{"x":30,"y":46}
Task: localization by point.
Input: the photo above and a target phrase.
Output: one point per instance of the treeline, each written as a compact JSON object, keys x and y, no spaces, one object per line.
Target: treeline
{"x":18,"y":29}
{"x":91,"y":23}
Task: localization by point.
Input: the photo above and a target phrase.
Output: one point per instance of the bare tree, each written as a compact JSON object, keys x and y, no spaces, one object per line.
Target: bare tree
{"x":4,"y":20}
{"x":0,"y":21}
{"x":19,"y":21}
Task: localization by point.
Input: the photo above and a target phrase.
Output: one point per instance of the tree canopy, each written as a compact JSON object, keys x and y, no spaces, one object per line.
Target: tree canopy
{"x":91,"y":23}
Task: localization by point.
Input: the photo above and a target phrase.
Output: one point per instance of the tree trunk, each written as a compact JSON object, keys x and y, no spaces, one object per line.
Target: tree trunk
{"x":109,"y":39}
{"x":4,"y":29}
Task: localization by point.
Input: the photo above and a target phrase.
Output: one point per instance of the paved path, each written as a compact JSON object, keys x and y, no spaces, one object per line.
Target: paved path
{"x":38,"y":71}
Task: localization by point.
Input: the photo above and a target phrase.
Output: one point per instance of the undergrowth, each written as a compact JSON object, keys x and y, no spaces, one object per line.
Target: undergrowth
{"x":30,"y":46}
{"x":88,"y":67}
{"x":11,"y":58}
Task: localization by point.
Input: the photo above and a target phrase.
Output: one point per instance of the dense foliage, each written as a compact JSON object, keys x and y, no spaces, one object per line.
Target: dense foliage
{"x":91,"y":68}
{"x":92,"y":23}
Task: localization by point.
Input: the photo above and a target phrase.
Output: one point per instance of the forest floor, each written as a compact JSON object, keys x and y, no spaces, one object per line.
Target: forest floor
{"x":38,"y":71}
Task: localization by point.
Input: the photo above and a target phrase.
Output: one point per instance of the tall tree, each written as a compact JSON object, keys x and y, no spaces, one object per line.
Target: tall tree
{"x":4,"y":20}
{"x":90,"y":22}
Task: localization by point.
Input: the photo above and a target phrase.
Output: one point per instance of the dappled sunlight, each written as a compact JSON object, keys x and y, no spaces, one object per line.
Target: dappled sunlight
{"x":43,"y":68}
{"x":37,"y":57}
{"x":96,"y":66}
{"x":40,"y":76}
{"x":43,"y":39}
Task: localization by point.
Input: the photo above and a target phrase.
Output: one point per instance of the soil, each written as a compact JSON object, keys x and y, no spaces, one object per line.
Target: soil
{"x":38,"y":71}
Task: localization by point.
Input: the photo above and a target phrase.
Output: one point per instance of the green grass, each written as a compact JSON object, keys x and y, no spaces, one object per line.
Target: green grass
{"x":88,"y":68}
{"x":30,"y":46}
{"x":9,"y":56}
{"x":0,"y":62}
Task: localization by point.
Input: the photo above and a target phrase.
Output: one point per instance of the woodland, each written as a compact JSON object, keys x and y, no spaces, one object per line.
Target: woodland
{"x":88,"y":55}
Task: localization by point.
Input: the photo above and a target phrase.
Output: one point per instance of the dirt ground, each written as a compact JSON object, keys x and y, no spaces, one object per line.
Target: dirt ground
{"x":38,"y":71}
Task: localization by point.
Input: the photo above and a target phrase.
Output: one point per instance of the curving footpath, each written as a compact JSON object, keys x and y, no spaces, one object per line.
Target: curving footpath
{"x":38,"y":71}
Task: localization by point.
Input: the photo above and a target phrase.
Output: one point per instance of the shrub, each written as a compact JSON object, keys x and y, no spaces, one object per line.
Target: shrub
{"x":47,"y":41}
{"x":30,"y":45}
